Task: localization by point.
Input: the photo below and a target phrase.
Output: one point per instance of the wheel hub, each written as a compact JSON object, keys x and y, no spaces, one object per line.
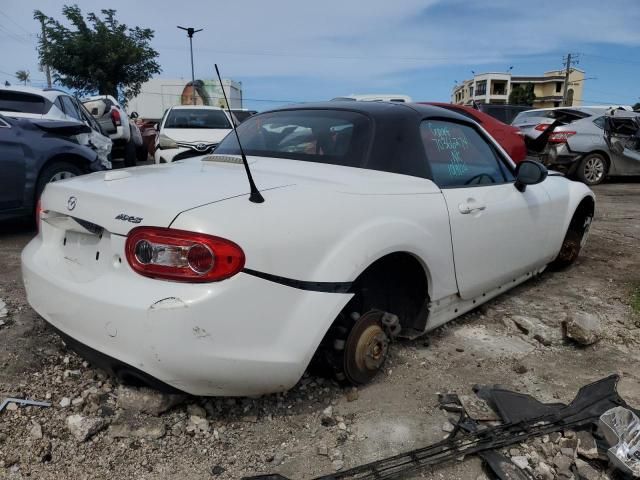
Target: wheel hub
{"x":371,"y":348}
{"x":61,"y":176}
{"x":594,"y":169}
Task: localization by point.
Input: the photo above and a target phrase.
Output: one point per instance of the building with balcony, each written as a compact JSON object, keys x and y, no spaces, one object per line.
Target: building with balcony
{"x":495,"y":88}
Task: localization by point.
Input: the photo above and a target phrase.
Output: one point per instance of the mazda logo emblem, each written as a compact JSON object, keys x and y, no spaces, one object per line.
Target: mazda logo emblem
{"x":71,"y":203}
{"x":201,"y":146}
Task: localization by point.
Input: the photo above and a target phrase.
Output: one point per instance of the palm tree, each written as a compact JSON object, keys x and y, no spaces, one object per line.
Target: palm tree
{"x":23,"y":76}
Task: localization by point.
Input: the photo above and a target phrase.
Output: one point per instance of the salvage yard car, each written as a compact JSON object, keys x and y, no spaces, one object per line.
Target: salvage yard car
{"x":379,"y":219}
{"x":599,"y":145}
{"x":35,"y":152}
{"x":190,"y":131}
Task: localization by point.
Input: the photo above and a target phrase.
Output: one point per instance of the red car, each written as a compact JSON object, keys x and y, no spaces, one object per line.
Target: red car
{"x":510,"y":138}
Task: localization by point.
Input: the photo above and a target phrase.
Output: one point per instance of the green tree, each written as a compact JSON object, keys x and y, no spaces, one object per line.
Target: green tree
{"x":522,"y":96}
{"x":23,"y":76}
{"x":637,"y":106}
{"x":97,"y":54}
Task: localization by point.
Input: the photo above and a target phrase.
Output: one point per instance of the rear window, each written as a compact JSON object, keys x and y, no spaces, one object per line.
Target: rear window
{"x":531,"y":114}
{"x":322,"y":136}
{"x":23,"y":103}
{"x":99,"y":107}
{"x":197,"y":118}
{"x":241,"y":115}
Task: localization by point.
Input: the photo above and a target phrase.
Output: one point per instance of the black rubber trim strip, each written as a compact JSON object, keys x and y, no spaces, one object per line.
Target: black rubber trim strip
{"x":326,"y":287}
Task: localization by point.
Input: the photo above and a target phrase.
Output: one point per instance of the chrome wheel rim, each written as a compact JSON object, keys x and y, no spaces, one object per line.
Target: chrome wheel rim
{"x":594,"y":169}
{"x":61,"y":176}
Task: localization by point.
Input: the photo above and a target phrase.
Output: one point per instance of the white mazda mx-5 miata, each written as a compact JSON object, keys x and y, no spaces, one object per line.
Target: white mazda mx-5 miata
{"x":379,"y":219}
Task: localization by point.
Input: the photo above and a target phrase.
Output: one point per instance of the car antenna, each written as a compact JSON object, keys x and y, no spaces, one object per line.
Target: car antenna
{"x":256,"y":196}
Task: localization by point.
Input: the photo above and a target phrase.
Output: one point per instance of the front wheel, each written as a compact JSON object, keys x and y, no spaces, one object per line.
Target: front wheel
{"x":355,"y":347}
{"x":574,"y":242}
{"x":592,"y":169}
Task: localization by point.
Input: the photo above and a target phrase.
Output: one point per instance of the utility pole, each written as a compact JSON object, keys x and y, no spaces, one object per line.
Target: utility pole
{"x":47,"y":71}
{"x":568,"y":63}
{"x":190,"y":31}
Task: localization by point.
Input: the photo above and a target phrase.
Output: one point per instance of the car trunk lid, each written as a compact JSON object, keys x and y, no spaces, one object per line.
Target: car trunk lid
{"x":119,"y":200}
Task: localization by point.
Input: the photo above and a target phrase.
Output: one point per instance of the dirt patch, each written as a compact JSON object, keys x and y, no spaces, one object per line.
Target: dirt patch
{"x":228,"y":438}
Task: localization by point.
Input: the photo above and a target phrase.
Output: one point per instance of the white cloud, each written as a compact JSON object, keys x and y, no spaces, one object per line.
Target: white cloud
{"x":354,"y":40}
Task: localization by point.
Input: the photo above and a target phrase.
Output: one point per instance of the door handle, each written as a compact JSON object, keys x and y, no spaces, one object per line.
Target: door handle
{"x":466,"y":208}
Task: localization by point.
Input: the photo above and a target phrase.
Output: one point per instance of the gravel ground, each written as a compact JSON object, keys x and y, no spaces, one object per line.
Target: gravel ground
{"x":98,"y":429}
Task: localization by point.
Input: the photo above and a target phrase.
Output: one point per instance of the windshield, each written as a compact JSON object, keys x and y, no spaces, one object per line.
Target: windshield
{"x":197,"y":118}
{"x":323,"y":136}
{"x":533,"y":113}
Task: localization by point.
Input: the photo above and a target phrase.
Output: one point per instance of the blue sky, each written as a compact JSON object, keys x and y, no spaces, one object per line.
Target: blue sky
{"x":285,"y":50}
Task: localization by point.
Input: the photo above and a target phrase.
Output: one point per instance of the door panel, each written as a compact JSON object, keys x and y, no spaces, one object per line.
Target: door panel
{"x":498,"y":233}
{"x":12,"y":166}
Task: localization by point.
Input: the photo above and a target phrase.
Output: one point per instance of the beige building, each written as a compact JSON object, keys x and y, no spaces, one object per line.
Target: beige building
{"x":495,"y":87}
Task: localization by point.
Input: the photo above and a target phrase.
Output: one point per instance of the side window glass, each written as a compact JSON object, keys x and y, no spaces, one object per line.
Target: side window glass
{"x":459,"y":156}
{"x":69,"y":108}
{"x":58,"y":104}
{"x":599,"y":122}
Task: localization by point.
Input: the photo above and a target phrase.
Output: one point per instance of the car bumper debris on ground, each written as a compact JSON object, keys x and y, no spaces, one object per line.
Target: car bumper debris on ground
{"x":548,"y":338}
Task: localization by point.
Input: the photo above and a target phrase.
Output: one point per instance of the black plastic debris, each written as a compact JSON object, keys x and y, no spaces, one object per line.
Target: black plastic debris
{"x":524,"y":417}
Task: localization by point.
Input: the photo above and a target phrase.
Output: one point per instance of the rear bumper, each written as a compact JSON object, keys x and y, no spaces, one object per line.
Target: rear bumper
{"x":241,"y":336}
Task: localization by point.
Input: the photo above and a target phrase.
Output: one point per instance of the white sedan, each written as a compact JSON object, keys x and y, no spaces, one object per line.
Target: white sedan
{"x":379,"y":219}
{"x":189,"y":131}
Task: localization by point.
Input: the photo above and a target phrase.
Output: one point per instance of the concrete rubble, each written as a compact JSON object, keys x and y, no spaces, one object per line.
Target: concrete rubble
{"x":584,"y":328}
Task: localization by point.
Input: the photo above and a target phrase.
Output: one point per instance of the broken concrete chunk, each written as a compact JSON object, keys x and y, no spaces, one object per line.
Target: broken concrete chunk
{"x":129,"y":426}
{"x":563,"y":464}
{"x":478,"y":409}
{"x":447,"y":427}
{"x":521,"y":461}
{"x":83,"y":428}
{"x":196,"y":410}
{"x":145,"y":400}
{"x":198,"y":424}
{"x":35,"y":431}
{"x":586,"y":471}
{"x":544,"y":472}
{"x":584,"y":328}
{"x":587,"y":447}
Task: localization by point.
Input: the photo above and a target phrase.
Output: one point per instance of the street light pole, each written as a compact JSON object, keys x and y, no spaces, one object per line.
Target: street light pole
{"x":190,"y":31}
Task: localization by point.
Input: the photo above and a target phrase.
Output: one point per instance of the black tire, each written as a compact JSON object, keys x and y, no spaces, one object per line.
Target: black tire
{"x":54,"y":172}
{"x":142,"y":153}
{"x":130,"y":154}
{"x":593,"y":169}
{"x":355,"y":348}
{"x":573,"y":243}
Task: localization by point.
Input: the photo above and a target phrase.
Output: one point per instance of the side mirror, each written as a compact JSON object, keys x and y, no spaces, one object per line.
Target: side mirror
{"x":156,"y":127}
{"x":529,"y":172}
{"x":133,"y":115}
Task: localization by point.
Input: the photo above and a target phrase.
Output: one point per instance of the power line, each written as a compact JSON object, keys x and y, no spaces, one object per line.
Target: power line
{"x":12,"y":35}
{"x":15,"y":23}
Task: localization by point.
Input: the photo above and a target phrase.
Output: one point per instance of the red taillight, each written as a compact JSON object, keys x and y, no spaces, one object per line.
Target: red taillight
{"x":182,"y":256}
{"x":542,"y":127}
{"x":560,"y":137}
{"x":115,"y":117}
